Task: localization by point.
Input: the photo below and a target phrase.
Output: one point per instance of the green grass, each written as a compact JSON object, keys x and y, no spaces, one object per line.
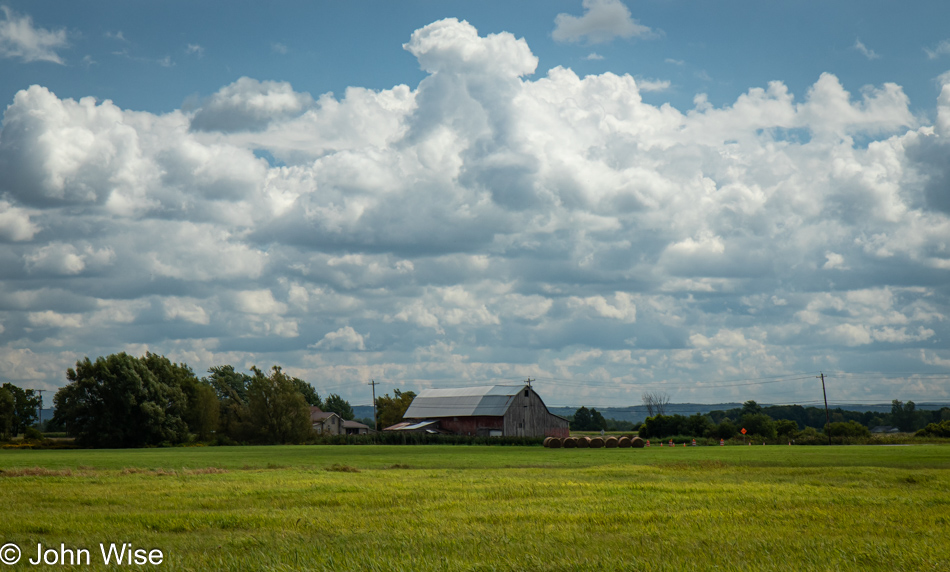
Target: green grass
{"x":490,"y":508}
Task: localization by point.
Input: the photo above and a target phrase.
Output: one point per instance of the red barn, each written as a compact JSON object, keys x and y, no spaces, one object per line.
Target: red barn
{"x":495,"y":411}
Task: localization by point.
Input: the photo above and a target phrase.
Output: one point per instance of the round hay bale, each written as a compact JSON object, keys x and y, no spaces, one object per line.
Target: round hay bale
{"x":637,"y":443}
{"x":547,"y":441}
{"x":583,"y":442}
{"x":611,"y":442}
{"x":569,"y":443}
{"x":596,"y":443}
{"x":624,"y":442}
{"x":555,"y":443}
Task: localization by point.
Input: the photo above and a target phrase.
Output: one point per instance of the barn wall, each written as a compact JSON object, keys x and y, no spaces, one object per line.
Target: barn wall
{"x":528,"y":417}
{"x":471,"y":425}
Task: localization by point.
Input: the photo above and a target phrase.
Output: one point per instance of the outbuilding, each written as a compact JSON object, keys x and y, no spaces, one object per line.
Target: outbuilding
{"x":491,"y":411}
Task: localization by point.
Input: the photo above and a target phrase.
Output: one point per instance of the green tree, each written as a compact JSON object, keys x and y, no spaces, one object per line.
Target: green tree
{"x":228,"y":384}
{"x":26,"y":404}
{"x":903,"y":415}
{"x":231,"y":388}
{"x":850,"y":429}
{"x":785,"y":428}
{"x":698,"y":425}
{"x":278,"y":411}
{"x":310,"y":394}
{"x":582,"y":420}
{"x":204,"y":412}
{"x":664,"y":426}
{"x":597,"y":421}
{"x":336,"y":404}
{"x":726,"y":429}
{"x":759,"y":424}
{"x":751,"y":408}
{"x":117,"y":401}
{"x":7,"y":413}
{"x":390,"y":410}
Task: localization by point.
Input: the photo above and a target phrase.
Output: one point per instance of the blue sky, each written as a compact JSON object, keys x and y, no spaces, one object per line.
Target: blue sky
{"x":718,"y":48}
{"x":718,"y":200}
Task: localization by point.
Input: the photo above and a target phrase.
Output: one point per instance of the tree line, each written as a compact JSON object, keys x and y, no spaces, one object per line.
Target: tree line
{"x":126,"y":401}
{"x":789,"y":421}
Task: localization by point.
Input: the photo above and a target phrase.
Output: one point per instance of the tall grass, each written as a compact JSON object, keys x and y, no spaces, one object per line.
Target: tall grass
{"x":491,"y":508}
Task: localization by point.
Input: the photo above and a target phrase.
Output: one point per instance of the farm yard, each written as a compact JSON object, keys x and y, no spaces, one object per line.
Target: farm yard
{"x":490,"y":508}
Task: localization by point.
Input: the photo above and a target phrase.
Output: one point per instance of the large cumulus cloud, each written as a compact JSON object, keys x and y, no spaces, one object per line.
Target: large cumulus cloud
{"x":484,"y":224}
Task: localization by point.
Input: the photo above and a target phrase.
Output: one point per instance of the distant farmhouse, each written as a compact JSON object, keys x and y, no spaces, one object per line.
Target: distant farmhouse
{"x":490,"y":411}
{"x":329,"y":423}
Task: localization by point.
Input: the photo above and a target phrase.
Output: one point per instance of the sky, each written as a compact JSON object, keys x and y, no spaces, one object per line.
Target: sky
{"x":716,"y":200}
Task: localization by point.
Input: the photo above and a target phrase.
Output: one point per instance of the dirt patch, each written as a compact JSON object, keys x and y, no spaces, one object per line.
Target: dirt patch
{"x":338,"y":468}
{"x":35,"y":472}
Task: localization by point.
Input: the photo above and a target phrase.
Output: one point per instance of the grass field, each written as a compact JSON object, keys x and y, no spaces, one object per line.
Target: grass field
{"x":488,"y":508}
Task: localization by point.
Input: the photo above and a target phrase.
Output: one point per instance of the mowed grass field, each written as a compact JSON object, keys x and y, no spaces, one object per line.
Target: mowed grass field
{"x":418,"y":508}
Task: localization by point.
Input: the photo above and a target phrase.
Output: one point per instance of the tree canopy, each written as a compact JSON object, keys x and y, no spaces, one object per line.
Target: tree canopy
{"x":336,"y":404}
{"x":278,"y":410}
{"x":124,"y":401}
{"x":26,"y":404}
{"x":390,"y":410}
{"x":6,"y":413}
{"x":588,"y":420}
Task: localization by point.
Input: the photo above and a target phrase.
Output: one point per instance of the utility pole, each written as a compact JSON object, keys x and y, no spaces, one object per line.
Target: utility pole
{"x":827,"y":415}
{"x":375,"y":422}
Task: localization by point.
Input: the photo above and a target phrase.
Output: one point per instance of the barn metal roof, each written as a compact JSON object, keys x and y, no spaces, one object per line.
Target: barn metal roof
{"x":491,"y":400}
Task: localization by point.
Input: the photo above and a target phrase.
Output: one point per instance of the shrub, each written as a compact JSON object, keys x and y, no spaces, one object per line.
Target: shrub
{"x":785,"y":427}
{"x":941,"y":429}
{"x":851,"y":429}
{"x":32,"y":434}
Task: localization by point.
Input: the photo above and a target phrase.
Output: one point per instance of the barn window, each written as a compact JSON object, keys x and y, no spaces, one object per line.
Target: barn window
{"x":526,"y":392}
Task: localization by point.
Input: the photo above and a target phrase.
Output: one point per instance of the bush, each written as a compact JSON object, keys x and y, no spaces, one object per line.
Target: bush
{"x":786,"y":428}
{"x":941,"y":429}
{"x":32,"y":434}
{"x":851,"y":429}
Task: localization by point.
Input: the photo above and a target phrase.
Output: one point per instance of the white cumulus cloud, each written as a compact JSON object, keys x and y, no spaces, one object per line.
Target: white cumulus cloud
{"x":484,"y":223}
{"x":344,"y":339}
{"x":249,"y":104}
{"x":20,"y":39}
{"x":602,"y":21}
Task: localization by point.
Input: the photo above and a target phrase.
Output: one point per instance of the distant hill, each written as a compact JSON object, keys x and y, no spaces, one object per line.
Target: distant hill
{"x":362,"y":411}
